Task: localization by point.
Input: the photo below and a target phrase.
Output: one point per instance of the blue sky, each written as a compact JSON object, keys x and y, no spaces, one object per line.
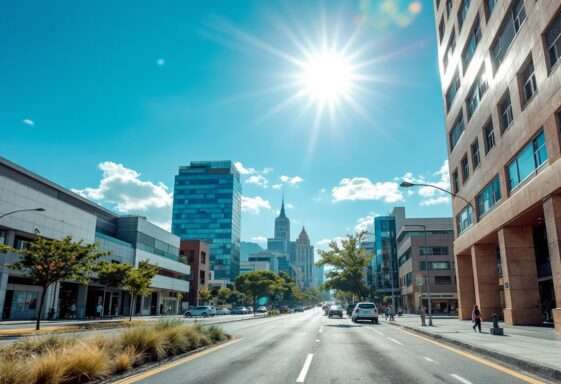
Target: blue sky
{"x":110,"y":98}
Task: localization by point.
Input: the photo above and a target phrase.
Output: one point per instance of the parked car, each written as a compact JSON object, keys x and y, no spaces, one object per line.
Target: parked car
{"x":284,"y":309}
{"x":261,"y":309}
{"x":335,"y":310}
{"x":201,"y":310}
{"x":365,"y":311}
{"x":223,"y":311}
{"x":299,"y":309}
{"x":240,"y":311}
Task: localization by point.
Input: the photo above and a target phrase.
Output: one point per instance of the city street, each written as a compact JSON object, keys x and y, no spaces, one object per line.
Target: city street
{"x":310,"y":348}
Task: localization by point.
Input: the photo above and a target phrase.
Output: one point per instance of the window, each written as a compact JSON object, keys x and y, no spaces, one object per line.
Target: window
{"x":464,"y":219}
{"x":203,"y":257}
{"x":465,"y":169}
{"x":471,"y":45}
{"x":462,"y":12}
{"x":552,"y":39}
{"x":505,"y":111}
{"x":510,"y":26}
{"x":476,"y":93}
{"x":527,"y":161}
{"x":488,"y":136}
{"x":448,"y":7}
{"x":489,"y":7}
{"x":442,"y":280}
{"x":433,"y":251}
{"x":475,"y":159}
{"x":456,"y":131}
{"x":441,"y":27}
{"x":435,"y":265}
{"x":527,"y":81}
{"x":455,"y":182}
{"x":449,"y":50}
{"x":403,"y":258}
{"x":452,"y":90}
{"x":407,"y":279}
{"x":488,"y":197}
{"x":3,"y":237}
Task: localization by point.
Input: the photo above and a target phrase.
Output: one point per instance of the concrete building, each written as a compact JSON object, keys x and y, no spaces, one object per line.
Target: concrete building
{"x":425,"y":244}
{"x":254,"y":266}
{"x":128,"y":239}
{"x":207,"y":206}
{"x":197,"y":256}
{"x":303,"y":260}
{"x":501,"y":85}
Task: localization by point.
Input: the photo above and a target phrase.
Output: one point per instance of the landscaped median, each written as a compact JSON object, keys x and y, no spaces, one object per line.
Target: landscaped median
{"x":71,"y":359}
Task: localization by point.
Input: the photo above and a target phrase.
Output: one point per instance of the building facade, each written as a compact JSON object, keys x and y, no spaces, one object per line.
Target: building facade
{"x":207,"y":206}
{"x":197,"y":256}
{"x":425,"y":244}
{"x":385,"y":278}
{"x":304,"y":260}
{"x":128,"y":239}
{"x":500,"y":72}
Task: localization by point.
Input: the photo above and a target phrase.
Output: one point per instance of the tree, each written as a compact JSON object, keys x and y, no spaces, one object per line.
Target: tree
{"x":236,"y":297}
{"x":204,"y":295}
{"x":257,"y":284}
{"x":223,"y":295}
{"x":348,"y":262}
{"x":48,"y":261}
{"x":112,"y":275}
{"x":138,"y":280}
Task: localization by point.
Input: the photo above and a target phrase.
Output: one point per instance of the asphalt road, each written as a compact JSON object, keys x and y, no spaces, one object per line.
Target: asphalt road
{"x":309,"y":348}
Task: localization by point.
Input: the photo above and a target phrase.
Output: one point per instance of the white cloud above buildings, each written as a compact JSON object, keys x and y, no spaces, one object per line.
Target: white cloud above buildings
{"x":362,"y":188}
{"x":365,"y":223}
{"x":432,"y":196}
{"x":255,"y":204}
{"x":123,"y":190}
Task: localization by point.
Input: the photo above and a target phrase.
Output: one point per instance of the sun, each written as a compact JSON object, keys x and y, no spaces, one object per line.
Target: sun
{"x":326,"y":77}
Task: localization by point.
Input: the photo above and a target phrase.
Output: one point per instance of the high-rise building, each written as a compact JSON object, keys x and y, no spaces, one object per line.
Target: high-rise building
{"x":207,"y":207}
{"x":384,"y":264}
{"x":499,"y":65}
{"x":304,"y":260}
{"x":282,"y":225}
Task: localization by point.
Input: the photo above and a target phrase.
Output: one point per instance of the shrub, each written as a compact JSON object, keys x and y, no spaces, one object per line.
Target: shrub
{"x":146,"y":340}
{"x":84,"y":362}
{"x":36,"y":345}
{"x":12,"y":372}
{"x":125,"y":360}
{"x":47,"y":368}
{"x":176,"y":340}
{"x":215,"y":334}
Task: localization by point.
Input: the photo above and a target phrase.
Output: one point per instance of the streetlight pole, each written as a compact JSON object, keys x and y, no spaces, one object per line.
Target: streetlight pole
{"x":428,"y":269}
{"x":22,"y":210}
{"x":407,"y":184}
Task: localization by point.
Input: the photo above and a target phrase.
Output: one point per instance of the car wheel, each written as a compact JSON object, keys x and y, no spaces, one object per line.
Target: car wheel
{"x":204,"y":314}
{"x":375,"y":321}
{"x":188,"y":314}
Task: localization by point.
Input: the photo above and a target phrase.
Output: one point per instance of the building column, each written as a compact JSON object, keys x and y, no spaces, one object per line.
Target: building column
{"x":81,"y":301}
{"x":51,"y":300}
{"x":486,"y":279}
{"x":518,"y":259}
{"x":3,"y":288}
{"x":552,"y":215}
{"x":466,"y":290}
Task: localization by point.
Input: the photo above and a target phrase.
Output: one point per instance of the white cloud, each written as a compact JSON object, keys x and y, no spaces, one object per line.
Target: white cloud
{"x":254,"y":204}
{"x":291,"y":180}
{"x":261,"y":240}
{"x":432,"y":196}
{"x":242,"y":169}
{"x":365,"y":223}
{"x":259,"y":180}
{"x":361,"y":188}
{"x":289,"y":206}
{"x":277,"y":186}
{"x":160,"y":62}
{"x":121,"y":188}
{"x":254,"y":176}
{"x":29,"y":122}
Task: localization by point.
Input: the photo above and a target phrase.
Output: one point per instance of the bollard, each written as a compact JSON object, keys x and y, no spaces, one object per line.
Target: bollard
{"x":496,"y":330}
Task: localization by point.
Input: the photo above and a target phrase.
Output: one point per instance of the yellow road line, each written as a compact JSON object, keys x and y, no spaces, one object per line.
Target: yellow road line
{"x":478,"y":359}
{"x":164,"y":367}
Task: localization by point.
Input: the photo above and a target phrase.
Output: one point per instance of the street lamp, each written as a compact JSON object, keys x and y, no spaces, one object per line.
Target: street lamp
{"x":428,"y":268}
{"x":407,"y":184}
{"x":22,"y":210}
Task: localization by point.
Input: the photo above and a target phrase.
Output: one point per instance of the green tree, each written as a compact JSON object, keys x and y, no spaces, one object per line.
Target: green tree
{"x":236,"y":298}
{"x":348,"y":263}
{"x":137,"y":281}
{"x":48,"y":261}
{"x":112,"y":275}
{"x":204,"y":295}
{"x":223,"y":295}
{"x":257,"y":284}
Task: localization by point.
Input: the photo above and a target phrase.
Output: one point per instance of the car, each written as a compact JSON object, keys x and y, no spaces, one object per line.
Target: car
{"x":261,"y":309}
{"x":201,"y":310}
{"x":240,"y":311}
{"x":335,"y":310}
{"x":365,"y":311}
{"x":299,"y":309}
{"x":284,"y":309}
{"x":223,"y":311}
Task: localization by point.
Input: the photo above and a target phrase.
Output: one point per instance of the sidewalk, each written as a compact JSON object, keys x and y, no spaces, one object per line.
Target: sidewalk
{"x":534,"y":349}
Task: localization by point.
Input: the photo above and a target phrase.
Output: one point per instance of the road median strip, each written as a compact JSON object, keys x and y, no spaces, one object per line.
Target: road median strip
{"x":542,"y":371}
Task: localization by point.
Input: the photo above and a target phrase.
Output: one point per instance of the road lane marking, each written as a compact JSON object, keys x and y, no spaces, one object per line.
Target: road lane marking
{"x":394,"y":341}
{"x":460,"y":379}
{"x":302,"y":376}
{"x":428,"y":359}
{"x":165,"y":367}
{"x":478,"y":359}
{"x":321,"y":329}
{"x":317,"y":340}
{"x":377,"y":332}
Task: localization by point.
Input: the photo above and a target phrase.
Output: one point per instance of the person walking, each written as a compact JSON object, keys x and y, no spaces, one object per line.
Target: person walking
{"x":99,"y":310}
{"x":392,"y":313}
{"x":476,"y":318}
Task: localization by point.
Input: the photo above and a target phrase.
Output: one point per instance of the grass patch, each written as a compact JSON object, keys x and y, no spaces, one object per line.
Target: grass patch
{"x":72,"y":360}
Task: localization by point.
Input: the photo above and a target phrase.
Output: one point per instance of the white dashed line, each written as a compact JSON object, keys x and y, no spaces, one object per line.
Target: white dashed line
{"x":394,"y":341}
{"x":321,"y":329}
{"x":317,"y":340}
{"x":429,"y":359}
{"x":302,"y":376}
{"x":460,"y":379}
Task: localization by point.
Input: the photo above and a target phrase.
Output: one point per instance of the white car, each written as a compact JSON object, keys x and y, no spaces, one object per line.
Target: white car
{"x":201,"y":310}
{"x":223,"y":311}
{"x":365,"y":311}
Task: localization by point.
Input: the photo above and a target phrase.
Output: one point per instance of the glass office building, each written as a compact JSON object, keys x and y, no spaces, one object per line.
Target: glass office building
{"x":384,"y":264}
{"x":207,"y":206}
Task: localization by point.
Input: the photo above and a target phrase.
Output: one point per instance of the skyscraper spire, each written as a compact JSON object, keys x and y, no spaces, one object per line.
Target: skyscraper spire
{"x":282,"y":213}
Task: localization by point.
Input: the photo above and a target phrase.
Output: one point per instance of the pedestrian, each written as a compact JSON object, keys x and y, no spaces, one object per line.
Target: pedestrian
{"x":392,"y":313}
{"x":476,"y":318}
{"x":99,"y":311}
{"x":73,"y":311}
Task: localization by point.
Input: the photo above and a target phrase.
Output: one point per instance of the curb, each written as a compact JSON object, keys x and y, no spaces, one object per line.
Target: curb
{"x":537,"y":369}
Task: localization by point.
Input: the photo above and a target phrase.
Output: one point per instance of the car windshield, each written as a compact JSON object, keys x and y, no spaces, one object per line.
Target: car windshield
{"x":335,"y":308}
{"x":366,"y":306}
